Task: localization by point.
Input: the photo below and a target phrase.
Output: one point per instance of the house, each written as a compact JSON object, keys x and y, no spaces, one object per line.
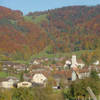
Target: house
{"x":14,"y":79}
{"x":59,"y":66}
{"x":19,"y":67}
{"x":96,"y":63}
{"x":38,"y":68}
{"x":8,"y":82}
{"x":80,"y":73}
{"x":36,"y":62}
{"x":27,"y":77}
{"x":24,"y":84}
{"x":16,"y":67}
{"x":84,"y":72}
{"x":7,"y":63}
{"x":66,"y":76}
{"x":39,"y":78}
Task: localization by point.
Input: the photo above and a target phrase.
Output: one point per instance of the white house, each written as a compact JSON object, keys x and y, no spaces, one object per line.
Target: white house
{"x":24,"y":84}
{"x":96,"y":63}
{"x":36,"y":62}
{"x":39,"y":78}
{"x":84,"y":75}
{"x":80,"y":73}
{"x":7,"y":84}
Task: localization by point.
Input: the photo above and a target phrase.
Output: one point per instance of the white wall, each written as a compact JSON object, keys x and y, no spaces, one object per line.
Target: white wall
{"x":24,"y":84}
{"x":39,"y":78}
{"x":7,"y":84}
{"x":74,"y":76}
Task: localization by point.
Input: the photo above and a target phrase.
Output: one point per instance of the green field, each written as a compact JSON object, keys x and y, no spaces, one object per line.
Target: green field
{"x":28,"y":18}
{"x":40,"y":18}
{"x":44,"y":54}
{"x":57,"y":55}
{"x":36,"y":20}
{"x":3,"y":74}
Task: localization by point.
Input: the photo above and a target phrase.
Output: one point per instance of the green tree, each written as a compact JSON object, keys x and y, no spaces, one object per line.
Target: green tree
{"x":0,"y":66}
{"x":88,"y":58}
{"x":21,"y":76}
{"x":49,"y":85}
{"x":23,"y":94}
{"x":62,"y":83}
{"x":94,"y":75}
{"x":78,"y":88}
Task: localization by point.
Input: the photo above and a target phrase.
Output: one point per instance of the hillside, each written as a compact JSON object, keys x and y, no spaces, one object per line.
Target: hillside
{"x":66,"y":29}
{"x":71,"y":28}
{"x":19,"y":39}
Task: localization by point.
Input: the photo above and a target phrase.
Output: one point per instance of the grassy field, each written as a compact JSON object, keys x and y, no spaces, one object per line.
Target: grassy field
{"x":28,"y":18}
{"x":3,"y":74}
{"x":40,"y":18}
{"x":57,"y":55}
{"x":47,"y":55}
{"x":36,"y":20}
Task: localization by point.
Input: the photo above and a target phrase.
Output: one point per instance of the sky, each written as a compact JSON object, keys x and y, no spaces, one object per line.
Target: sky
{"x":27,"y":6}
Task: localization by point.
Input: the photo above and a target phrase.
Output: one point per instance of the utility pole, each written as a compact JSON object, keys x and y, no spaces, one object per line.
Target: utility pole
{"x":91,"y":93}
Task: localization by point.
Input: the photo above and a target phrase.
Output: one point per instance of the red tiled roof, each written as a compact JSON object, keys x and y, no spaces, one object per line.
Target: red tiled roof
{"x":63,"y":73}
{"x":83,"y":70}
{"x":79,"y":61}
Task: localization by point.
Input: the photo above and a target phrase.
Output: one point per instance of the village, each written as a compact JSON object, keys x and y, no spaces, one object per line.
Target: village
{"x":38,"y":72}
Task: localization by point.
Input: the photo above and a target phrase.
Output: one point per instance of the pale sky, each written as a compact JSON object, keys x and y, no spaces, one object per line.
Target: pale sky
{"x":40,"y":5}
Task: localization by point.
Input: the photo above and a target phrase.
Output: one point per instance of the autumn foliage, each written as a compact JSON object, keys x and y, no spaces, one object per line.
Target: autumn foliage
{"x":65,"y":29}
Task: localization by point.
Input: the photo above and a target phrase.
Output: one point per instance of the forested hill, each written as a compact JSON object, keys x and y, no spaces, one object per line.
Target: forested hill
{"x":71,"y":28}
{"x":60,"y":30}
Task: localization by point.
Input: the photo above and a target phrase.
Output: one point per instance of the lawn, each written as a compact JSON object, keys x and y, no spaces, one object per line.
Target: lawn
{"x":3,"y":74}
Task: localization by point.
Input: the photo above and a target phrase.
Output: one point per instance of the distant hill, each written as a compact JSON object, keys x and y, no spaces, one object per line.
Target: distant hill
{"x":64,"y":29}
{"x":71,"y":28}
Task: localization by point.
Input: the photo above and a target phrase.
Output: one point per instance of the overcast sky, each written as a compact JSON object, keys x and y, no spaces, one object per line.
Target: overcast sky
{"x":40,"y":5}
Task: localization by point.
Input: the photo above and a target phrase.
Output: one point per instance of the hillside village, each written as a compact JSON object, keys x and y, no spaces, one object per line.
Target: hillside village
{"x":52,"y":54}
{"x":67,"y":29}
{"x":38,"y":72}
